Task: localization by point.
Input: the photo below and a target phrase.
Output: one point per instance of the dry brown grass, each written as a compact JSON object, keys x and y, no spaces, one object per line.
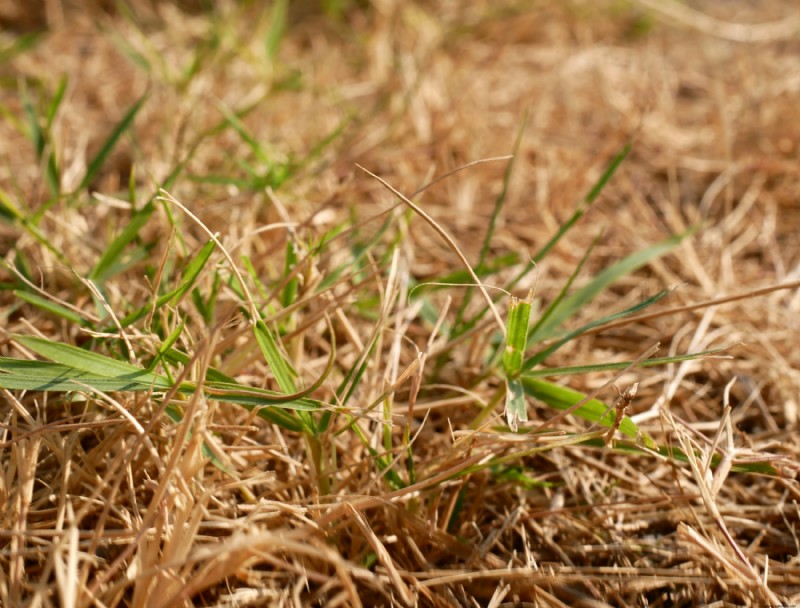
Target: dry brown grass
{"x":106,"y":502}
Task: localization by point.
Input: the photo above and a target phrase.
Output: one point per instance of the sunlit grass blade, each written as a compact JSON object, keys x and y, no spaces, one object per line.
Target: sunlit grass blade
{"x":19,"y":374}
{"x":277,"y":28}
{"x":519,"y":314}
{"x":233,"y":120}
{"x":278,"y":363}
{"x":111,"y":141}
{"x":10,"y":212}
{"x":556,"y":304}
{"x":594,"y":192}
{"x":51,"y":307}
{"x":516,"y":409}
{"x":78,"y":358}
{"x":187,"y":280}
{"x":73,"y":368}
{"x":581,"y":298}
{"x":487,"y":238}
{"x":539,"y":357}
{"x":104,"y":267}
{"x":606,"y":367}
{"x":25,"y":375}
{"x":20,"y":44}
{"x":594,"y":410}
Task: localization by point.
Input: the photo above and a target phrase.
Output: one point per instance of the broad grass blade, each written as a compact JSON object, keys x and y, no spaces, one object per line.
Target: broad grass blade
{"x":594,"y":410}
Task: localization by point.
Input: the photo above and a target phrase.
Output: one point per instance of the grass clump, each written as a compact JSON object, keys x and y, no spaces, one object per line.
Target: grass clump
{"x":319,"y":304}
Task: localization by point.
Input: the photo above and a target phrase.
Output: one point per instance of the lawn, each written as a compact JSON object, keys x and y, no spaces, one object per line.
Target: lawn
{"x":380,"y":303}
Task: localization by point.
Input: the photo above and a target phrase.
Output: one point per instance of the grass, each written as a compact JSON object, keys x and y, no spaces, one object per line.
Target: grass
{"x":353,"y":304}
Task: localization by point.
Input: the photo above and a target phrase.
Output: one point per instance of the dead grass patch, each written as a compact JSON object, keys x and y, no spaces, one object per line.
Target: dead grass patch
{"x":391,"y":477}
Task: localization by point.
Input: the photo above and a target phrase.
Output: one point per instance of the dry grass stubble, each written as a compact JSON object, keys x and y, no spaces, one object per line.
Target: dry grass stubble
{"x":106,"y":501}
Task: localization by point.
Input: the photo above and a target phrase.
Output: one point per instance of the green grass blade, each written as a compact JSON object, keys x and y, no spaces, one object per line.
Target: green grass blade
{"x":562,"y":294}
{"x":192,"y":272}
{"x":35,"y":132}
{"x":173,"y":356}
{"x":51,"y":307}
{"x":595,"y":191}
{"x":516,"y":408}
{"x":19,"y":374}
{"x":188,"y":278}
{"x":52,"y":174}
{"x":594,"y":410}
{"x":581,"y":298}
{"x":607,"y":175}
{"x":104,"y":268}
{"x":543,"y":354}
{"x":462,"y":277}
{"x":55,"y":103}
{"x":487,"y":239}
{"x":8,"y":210}
{"x":232,"y":119}
{"x":100,"y":158}
{"x":128,"y":51}
{"x":289,"y":294}
{"x":248,"y":395}
{"x":20,"y":44}
{"x":607,"y":367}
{"x":538,"y":257}
{"x":519,"y":314}
{"x":80,"y":359}
{"x":280,"y":366}
{"x":167,"y":344}
{"x":277,"y":28}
